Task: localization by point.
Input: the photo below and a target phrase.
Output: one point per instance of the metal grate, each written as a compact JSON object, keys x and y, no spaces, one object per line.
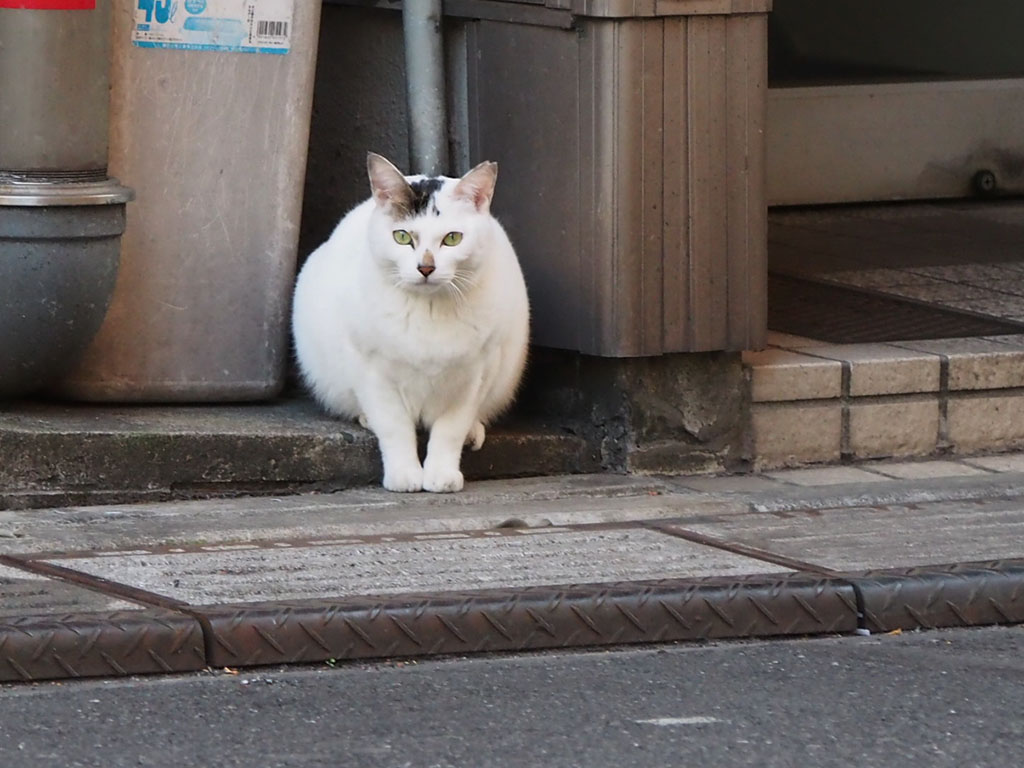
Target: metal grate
{"x":842,"y":315}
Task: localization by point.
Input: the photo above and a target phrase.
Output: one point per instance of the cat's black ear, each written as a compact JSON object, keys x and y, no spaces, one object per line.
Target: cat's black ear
{"x":477,"y":186}
{"x":387,"y":183}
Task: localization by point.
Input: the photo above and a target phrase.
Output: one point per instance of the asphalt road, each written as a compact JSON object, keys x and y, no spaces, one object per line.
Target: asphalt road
{"x":946,"y":698}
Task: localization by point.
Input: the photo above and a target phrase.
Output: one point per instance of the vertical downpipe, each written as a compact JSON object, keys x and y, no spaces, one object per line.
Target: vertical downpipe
{"x":425,"y":87}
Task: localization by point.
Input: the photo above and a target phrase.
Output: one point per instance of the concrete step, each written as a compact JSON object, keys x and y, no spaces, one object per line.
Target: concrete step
{"x":57,"y":454}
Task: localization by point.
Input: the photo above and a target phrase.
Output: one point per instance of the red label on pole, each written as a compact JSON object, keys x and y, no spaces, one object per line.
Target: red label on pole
{"x":50,"y":5}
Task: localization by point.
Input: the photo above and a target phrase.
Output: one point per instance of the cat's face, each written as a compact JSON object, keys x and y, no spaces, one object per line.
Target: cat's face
{"x":425,"y":231}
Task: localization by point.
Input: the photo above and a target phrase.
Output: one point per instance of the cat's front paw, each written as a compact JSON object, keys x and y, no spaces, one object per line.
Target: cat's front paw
{"x":404,"y":479}
{"x":442,"y":480}
{"x":475,"y":438}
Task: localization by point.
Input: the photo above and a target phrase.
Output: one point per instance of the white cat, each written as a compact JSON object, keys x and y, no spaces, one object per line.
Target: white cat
{"x":414,"y":312}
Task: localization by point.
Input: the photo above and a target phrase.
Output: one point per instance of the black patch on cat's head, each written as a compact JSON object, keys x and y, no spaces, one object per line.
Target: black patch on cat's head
{"x":423,"y":191}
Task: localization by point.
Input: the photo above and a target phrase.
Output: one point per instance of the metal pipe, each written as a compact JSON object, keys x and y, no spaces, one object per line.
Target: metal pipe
{"x":425,"y":91}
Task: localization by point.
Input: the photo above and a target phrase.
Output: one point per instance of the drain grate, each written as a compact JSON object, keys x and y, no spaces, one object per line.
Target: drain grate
{"x":841,"y":315}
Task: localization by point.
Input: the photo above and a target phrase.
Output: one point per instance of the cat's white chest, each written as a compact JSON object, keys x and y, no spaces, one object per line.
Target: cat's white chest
{"x":430,"y":355}
{"x":426,"y":336}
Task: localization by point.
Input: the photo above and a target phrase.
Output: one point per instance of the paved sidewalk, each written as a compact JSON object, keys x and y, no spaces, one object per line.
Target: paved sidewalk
{"x":581,"y":560}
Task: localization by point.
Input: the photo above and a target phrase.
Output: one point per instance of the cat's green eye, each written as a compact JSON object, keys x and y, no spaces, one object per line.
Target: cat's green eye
{"x":402,"y":237}
{"x":452,"y":238}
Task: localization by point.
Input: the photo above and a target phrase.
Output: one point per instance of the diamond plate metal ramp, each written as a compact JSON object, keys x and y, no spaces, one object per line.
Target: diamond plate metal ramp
{"x":99,"y":644}
{"x":528,"y":619}
{"x":961,"y":595}
{"x":51,"y":628}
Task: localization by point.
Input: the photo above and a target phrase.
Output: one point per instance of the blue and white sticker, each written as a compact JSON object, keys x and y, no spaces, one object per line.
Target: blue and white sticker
{"x":250,"y":26}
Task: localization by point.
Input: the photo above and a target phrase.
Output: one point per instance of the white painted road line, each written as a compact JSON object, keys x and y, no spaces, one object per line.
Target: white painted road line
{"x":671,"y":721}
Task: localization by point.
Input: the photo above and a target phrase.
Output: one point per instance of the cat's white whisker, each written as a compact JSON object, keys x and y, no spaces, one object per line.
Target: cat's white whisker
{"x":457,"y":295}
{"x":462,"y":285}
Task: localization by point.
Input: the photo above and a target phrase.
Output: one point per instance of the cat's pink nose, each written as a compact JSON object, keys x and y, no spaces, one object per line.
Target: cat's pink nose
{"x":425,"y":269}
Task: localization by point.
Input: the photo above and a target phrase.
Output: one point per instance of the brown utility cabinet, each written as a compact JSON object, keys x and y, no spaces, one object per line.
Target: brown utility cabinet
{"x":630,"y":137}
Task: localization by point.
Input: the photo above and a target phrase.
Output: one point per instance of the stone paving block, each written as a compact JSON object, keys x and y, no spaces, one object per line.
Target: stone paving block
{"x":1010,"y":462}
{"x":730,"y":484}
{"x":1014,"y":340}
{"x":928,"y":470}
{"x":791,"y":434}
{"x":976,"y":363}
{"x":902,"y":428}
{"x":989,"y":423}
{"x":789,"y":341}
{"x":819,"y":476}
{"x":780,"y":375}
{"x":882,"y":369}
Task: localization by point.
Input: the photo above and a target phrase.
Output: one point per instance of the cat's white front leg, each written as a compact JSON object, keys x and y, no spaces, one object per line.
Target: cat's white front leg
{"x":441,"y":473}
{"x":387,"y":417}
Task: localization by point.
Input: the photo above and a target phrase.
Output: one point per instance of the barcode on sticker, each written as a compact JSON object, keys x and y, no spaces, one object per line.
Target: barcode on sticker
{"x":272,"y":28}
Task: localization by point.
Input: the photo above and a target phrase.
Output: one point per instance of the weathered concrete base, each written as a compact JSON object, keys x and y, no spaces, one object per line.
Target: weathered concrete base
{"x":684,"y":413}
